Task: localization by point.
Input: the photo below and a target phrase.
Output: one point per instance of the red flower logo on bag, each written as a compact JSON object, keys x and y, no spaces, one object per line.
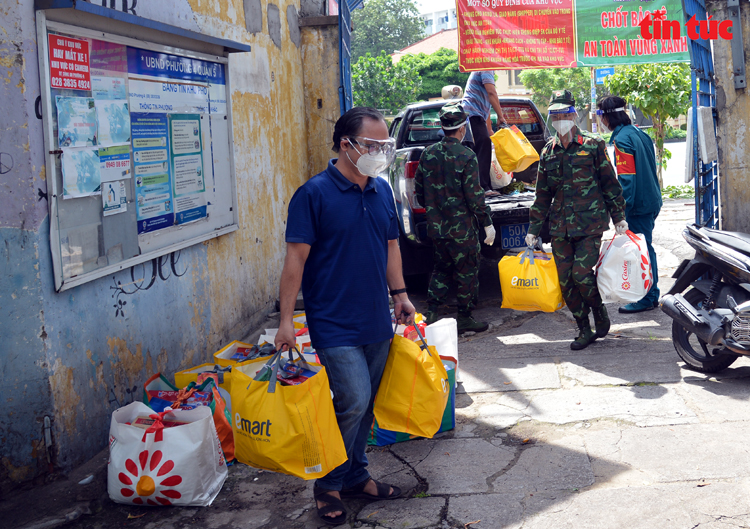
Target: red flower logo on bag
{"x":144,"y":485}
{"x":626,"y":286}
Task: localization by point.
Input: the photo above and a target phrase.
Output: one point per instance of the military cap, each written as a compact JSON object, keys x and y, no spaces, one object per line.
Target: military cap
{"x":452,"y":116}
{"x":561,"y":99}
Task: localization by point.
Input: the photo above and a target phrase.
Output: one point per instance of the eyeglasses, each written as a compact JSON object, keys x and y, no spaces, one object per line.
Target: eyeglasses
{"x":374,"y":148}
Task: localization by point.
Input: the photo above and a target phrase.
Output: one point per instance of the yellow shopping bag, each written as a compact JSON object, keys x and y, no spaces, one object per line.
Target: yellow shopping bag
{"x":514,"y":152}
{"x":290,"y":429}
{"x":414,"y":389}
{"x":223,"y":356}
{"x":528,"y":281}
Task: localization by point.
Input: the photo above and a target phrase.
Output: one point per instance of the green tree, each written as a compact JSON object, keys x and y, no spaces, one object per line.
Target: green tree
{"x":385,"y":25}
{"x":378,"y":83}
{"x":544,"y":80}
{"x":660,"y":91}
{"x":436,"y":70}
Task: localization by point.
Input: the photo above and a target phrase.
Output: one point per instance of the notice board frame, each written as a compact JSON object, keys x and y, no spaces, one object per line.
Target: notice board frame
{"x":154,"y":244}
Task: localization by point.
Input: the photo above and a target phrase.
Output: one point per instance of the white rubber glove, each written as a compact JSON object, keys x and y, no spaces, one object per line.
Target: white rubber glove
{"x":531,"y":240}
{"x":490,"y":232}
{"x":621,"y":227}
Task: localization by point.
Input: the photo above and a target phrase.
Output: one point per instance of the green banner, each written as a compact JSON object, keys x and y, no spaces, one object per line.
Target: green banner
{"x":608,"y":34}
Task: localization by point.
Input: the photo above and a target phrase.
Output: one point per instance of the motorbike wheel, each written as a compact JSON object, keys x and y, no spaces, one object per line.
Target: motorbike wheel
{"x":694,"y":351}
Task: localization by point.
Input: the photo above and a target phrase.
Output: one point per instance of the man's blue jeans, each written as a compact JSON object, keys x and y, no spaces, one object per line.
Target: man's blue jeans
{"x":645,"y":224}
{"x":354,"y":373}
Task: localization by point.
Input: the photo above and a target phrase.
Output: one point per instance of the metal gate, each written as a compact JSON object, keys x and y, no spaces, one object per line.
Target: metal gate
{"x":345,"y":53}
{"x":706,"y":176}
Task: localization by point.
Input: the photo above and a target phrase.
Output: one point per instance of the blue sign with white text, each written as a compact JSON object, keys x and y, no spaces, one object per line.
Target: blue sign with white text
{"x":601,"y":73}
{"x":146,"y":62}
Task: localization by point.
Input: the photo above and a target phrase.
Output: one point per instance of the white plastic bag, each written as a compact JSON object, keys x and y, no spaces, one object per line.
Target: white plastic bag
{"x":498,"y":177}
{"x":623,"y":272}
{"x":176,"y":465}
{"x":443,"y":334}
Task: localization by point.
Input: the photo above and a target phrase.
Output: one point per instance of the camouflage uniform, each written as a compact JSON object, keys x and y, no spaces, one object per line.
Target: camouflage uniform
{"x":447,"y":184}
{"x":586,"y":193}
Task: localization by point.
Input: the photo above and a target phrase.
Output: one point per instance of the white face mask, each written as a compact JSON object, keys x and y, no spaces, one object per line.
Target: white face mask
{"x":563,"y":126}
{"x":371,"y":164}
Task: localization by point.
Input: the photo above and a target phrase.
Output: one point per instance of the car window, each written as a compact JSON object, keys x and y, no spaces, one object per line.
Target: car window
{"x":394,"y":128}
{"x":424,"y":127}
{"x":522,"y":116}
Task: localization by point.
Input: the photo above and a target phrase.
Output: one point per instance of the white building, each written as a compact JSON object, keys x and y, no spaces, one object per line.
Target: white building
{"x":437,"y":15}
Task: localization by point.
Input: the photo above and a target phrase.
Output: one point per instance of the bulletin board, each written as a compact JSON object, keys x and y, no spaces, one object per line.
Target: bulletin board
{"x":139,"y":146}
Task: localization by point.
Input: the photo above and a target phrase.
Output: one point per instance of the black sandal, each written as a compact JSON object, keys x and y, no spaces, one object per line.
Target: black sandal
{"x":333,"y":504}
{"x":358,"y":491}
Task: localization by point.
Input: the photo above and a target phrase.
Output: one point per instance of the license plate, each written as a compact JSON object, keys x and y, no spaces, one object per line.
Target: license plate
{"x":514,"y":235}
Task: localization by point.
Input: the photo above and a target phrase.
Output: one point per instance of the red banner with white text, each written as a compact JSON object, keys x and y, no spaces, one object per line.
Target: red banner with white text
{"x":515,"y":34}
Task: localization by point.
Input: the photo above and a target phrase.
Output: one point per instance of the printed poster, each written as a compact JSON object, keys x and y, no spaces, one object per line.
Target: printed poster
{"x":103,"y":87}
{"x":109,"y":70}
{"x":113,"y":119}
{"x":81,"y":173}
{"x":151,"y":167}
{"x":509,"y":34}
{"x":69,"y":63}
{"x":187,"y":167}
{"x":114,"y":198}
{"x":76,"y":121}
{"x":114,"y":163}
{"x":608,"y":33}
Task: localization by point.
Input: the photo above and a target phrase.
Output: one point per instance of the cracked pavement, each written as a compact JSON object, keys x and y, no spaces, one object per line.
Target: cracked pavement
{"x":619,"y":435}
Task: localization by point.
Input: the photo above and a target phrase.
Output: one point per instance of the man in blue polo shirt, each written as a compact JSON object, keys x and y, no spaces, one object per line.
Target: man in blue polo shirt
{"x":342,"y":249}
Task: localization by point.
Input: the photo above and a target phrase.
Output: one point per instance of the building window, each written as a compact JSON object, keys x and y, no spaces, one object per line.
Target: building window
{"x":514,"y":78}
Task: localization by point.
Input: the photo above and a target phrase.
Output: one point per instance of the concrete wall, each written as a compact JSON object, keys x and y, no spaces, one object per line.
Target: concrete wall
{"x":733,"y":129}
{"x":76,"y":356}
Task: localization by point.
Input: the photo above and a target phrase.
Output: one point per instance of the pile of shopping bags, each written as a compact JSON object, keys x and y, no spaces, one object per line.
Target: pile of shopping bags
{"x":271,"y":411}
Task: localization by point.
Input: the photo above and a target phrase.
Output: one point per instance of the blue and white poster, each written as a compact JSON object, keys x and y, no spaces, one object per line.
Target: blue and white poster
{"x":76,"y":121}
{"x":81,"y":175}
{"x":114,"y":199}
{"x":187,"y":167}
{"x":151,"y":167}
{"x":113,"y":119}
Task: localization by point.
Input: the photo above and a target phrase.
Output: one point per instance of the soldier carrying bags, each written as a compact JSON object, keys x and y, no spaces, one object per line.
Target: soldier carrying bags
{"x":447,"y":185}
{"x":578,"y":188}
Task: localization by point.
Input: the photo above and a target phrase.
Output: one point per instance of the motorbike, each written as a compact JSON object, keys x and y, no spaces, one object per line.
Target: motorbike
{"x":711,"y":320}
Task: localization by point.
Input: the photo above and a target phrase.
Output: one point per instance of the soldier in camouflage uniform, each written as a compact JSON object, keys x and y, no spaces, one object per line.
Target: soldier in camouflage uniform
{"x":447,"y":184}
{"x":578,"y":188}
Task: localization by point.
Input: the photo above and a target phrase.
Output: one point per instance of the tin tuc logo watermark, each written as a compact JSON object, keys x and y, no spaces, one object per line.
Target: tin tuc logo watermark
{"x":656,"y":26}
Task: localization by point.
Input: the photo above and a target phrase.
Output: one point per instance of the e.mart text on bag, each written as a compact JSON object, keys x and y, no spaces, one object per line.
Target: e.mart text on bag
{"x":524,"y":283}
{"x":252,"y":427}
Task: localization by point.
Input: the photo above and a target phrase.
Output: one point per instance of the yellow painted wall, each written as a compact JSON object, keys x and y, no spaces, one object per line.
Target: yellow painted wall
{"x":733,"y":128}
{"x":271,"y":161}
{"x":320,"y":58}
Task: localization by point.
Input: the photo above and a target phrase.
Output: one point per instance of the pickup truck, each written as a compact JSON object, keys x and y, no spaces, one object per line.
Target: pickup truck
{"x":418,"y":126}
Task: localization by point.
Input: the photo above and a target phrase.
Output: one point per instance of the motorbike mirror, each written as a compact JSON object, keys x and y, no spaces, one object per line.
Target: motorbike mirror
{"x":732,"y":303}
